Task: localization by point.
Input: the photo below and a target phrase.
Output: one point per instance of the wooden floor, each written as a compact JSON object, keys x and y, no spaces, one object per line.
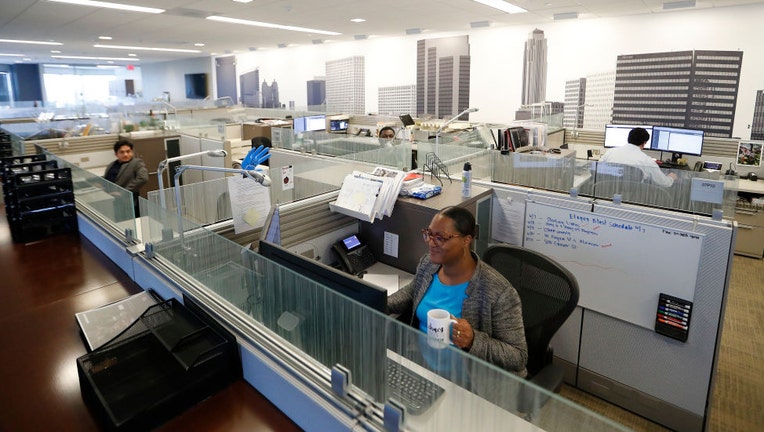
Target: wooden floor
{"x":42,"y":286}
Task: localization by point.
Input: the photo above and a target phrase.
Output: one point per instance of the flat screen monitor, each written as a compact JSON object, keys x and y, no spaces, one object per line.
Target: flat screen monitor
{"x":196,"y":85}
{"x":339,"y":125}
{"x":346,"y":284}
{"x":315,"y":123}
{"x":678,"y":141}
{"x":617,"y":135}
{"x":298,"y":125}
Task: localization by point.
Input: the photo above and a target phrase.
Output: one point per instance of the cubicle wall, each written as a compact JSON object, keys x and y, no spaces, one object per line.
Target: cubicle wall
{"x":624,"y":257}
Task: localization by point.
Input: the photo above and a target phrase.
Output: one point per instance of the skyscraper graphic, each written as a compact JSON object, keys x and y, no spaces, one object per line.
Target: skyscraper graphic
{"x":346,"y":85}
{"x":691,"y":89}
{"x":534,"y":68}
{"x":443,"y":76}
{"x":757,"y":125}
{"x":270,"y":95}
{"x":599,"y":100}
{"x":397,"y":100}
{"x":575,"y":99}
{"x":316,"y":94}
{"x":249,"y":83}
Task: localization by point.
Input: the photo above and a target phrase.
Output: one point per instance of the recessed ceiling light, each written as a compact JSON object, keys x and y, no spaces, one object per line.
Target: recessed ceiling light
{"x":108,"y":5}
{"x":270,"y":25}
{"x":27,"y":59}
{"x":95,"y":58}
{"x":199,"y":44}
{"x":243,"y":1}
{"x":502,"y":6}
{"x":29,"y":42}
{"x":137,"y":48}
{"x":11,"y":55}
{"x":55,"y":52}
{"x":104,"y":37}
{"x":132,"y":55}
{"x":358,"y":20}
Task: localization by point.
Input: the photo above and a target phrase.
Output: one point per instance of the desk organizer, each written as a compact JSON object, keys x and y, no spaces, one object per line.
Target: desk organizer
{"x":168,"y":360}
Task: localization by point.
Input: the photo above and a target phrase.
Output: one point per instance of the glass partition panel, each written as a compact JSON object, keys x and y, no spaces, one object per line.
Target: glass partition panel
{"x":536,"y":169}
{"x":605,"y":180}
{"x":325,"y":328}
{"x":100,"y":197}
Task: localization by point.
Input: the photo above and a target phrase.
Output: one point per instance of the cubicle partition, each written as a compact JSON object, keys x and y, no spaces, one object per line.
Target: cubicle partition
{"x":628,"y":261}
{"x":297,"y":337}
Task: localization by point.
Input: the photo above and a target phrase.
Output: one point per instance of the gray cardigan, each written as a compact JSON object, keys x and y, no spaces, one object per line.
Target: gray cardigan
{"x":492,"y":308}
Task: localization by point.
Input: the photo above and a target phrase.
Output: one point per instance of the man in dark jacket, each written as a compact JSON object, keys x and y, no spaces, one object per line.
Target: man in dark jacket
{"x":127,"y":171}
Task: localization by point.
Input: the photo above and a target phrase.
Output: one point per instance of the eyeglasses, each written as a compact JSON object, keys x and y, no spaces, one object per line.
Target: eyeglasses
{"x":438,"y":239}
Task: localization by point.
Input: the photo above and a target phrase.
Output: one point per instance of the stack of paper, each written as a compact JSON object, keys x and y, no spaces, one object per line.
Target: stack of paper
{"x":369,"y":196}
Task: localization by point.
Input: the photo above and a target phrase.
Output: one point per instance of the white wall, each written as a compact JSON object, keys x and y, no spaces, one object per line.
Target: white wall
{"x":575,"y":48}
{"x":169,"y":76}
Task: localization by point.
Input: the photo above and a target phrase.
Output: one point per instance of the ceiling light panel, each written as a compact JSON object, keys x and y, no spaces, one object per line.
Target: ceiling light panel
{"x":108,"y":5}
{"x":502,"y":6}
{"x":31,"y":42}
{"x":139,"y":48}
{"x":130,"y":59}
{"x":270,"y":25}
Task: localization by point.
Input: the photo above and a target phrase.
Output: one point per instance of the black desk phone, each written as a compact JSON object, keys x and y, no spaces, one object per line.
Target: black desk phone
{"x":354,"y":256}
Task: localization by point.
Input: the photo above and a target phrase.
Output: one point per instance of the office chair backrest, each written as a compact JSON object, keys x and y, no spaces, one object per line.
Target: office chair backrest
{"x":548,"y":293}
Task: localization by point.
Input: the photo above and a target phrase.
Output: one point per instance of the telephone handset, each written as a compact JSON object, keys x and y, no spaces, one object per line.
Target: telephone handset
{"x":354,"y":256}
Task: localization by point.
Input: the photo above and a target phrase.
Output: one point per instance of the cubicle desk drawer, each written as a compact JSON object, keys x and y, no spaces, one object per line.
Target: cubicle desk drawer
{"x":750,"y":232}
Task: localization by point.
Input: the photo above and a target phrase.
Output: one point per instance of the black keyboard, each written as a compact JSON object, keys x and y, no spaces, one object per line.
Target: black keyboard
{"x":407,"y":387}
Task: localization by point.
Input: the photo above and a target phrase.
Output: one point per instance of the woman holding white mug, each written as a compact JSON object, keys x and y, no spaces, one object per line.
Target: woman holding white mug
{"x":486,"y":308}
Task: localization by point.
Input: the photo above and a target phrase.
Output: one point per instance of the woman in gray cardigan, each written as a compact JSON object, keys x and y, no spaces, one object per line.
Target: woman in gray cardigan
{"x":489,"y":320}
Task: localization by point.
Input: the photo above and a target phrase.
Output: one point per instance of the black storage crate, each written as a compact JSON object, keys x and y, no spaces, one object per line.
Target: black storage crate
{"x":168,"y":360}
{"x":9,"y":170}
{"x":38,"y":224}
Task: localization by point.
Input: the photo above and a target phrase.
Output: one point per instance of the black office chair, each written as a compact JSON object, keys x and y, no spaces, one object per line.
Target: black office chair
{"x":548,"y":293}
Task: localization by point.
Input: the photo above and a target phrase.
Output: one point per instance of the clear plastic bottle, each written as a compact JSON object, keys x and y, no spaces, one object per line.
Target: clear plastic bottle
{"x":467,"y":180}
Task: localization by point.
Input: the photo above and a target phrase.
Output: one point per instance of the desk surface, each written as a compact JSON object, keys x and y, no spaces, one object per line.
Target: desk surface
{"x":750,"y":186}
{"x":387,"y":277}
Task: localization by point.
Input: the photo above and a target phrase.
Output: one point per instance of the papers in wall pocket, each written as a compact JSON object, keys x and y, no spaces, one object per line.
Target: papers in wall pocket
{"x":367,"y":196}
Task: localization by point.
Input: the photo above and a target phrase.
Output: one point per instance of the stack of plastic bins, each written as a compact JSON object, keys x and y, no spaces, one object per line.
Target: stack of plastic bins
{"x":168,"y":360}
{"x":39,"y":200}
{"x":6,"y":148}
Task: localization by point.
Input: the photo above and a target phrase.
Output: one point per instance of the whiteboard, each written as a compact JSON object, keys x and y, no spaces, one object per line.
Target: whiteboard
{"x":621,"y":265}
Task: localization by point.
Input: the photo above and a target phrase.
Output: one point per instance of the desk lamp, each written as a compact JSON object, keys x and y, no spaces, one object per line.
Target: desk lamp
{"x":443,"y":126}
{"x":163,"y":165}
{"x":254,"y":175}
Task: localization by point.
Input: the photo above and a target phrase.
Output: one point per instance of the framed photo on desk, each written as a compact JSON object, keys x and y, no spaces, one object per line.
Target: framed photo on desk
{"x":749,"y":153}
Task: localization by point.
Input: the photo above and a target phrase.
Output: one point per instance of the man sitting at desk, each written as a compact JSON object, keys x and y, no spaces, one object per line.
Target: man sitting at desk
{"x":487,"y":309}
{"x":633,"y":155}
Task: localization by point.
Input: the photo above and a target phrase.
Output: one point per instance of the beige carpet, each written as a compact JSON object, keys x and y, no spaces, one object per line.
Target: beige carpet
{"x":737,"y":400}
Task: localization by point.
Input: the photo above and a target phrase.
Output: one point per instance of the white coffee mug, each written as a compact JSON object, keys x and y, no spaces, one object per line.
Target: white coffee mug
{"x":439,"y":327}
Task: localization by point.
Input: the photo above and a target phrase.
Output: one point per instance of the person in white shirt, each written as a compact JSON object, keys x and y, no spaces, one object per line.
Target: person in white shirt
{"x":632,"y":155}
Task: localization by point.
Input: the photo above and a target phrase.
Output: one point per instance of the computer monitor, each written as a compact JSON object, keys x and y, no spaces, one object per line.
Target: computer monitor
{"x":678,"y":141}
{"x":340,"y":125}
{"x":298,"y":125}
{"x":617,"y":135}
{"x":346,"y":284}
{"x":315,"y":123}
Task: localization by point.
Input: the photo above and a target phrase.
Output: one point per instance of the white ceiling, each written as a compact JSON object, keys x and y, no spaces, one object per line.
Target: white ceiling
{"x":184,"y":24}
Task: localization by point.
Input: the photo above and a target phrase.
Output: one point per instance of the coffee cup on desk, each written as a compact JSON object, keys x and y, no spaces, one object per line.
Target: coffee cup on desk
{"x":439,"y":327}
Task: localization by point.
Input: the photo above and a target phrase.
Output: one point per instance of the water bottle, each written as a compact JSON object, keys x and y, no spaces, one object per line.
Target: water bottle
{"x":467,"y":180}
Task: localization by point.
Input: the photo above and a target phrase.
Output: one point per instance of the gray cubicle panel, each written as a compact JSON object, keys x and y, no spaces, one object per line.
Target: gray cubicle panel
{"x":656,"y":376}
{"x":621,"y":357}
